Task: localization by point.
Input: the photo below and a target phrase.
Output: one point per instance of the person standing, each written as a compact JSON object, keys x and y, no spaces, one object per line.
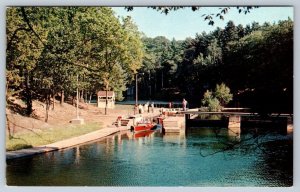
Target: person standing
{"x":146,"y":107}
{"x":184,"y":103}
{"x":119,"y":121}
{"x":152,"y":107}
{"x":140,"y":109}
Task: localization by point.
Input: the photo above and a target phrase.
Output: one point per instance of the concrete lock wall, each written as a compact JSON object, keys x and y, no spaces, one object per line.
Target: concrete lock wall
{"x":234,"y":124}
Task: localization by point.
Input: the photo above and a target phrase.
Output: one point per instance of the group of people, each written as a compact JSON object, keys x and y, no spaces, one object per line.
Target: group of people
{"x":147,"y":107}
{"x":150,"y":107}
{"x":184,"y":104}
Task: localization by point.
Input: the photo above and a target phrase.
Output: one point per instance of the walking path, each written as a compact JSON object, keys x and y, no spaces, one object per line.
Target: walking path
{"x":64,"y":144}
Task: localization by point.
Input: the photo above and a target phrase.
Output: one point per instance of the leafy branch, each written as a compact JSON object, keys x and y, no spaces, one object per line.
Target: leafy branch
{"x":207,"y":17}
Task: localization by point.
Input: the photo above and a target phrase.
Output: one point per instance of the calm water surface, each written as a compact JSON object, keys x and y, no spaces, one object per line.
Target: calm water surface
{"x":203,"y":157}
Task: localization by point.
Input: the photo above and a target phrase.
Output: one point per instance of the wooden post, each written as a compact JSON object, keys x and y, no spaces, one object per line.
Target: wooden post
{"x":78,"y":120}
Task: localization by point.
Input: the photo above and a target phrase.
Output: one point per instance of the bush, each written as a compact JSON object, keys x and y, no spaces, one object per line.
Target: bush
{"x":215,"y":101}
{"x":222,"y":93}
{"x":207,"y":97}
{"x":214,"y":105}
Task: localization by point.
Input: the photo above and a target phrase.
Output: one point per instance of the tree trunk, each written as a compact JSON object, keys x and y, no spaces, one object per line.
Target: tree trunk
{"x":28,"y":95}
{"x":73,"y":98}
{"x":91,"y":94}
{"x":48,"y":102}
{"x":62,"y":95}
{"x":86,"y":96}
{"x":10,"y":135}
{"x":53,"y":99}
{"x":81,"y":96}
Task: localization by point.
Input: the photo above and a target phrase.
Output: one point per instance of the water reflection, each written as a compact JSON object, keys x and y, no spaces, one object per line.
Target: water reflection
{"x":77,"y":155}
{"x":234,"y":133}
{"x":200,"y":157}
{"x":175,"y":139}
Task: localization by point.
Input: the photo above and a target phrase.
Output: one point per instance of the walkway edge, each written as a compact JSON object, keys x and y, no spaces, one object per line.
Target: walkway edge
{"x":95,"y":135}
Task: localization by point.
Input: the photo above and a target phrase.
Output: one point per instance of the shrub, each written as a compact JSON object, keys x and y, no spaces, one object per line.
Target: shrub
{"x":222,"y":93}
{"x":216,"y":100}
{"x":207,"y":98}
{"x":214,"y":105}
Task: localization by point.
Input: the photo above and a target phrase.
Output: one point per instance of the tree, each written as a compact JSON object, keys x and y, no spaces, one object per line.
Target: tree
{"x":159,"y":51}
{"x":255,"y":66}
{"x":24,"y":48}
{"x":49,"y":46}
{"x":222,"y":93}
{"x":241,"y":31}
{"x":134,"y":46}
{"x":210,"y":101}
{"x":230,"y":33}
{"x":217,"y":99}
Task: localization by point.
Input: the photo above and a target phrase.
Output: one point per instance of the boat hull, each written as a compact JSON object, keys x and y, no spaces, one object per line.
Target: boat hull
{"x":143,"y":134}
{"x":143,"y":127}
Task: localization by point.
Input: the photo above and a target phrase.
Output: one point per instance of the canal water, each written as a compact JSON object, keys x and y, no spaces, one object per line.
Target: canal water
{"x":201,"y":157}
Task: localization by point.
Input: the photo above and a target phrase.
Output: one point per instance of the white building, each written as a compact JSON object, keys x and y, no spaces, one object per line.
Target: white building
{"x":101,"y":101}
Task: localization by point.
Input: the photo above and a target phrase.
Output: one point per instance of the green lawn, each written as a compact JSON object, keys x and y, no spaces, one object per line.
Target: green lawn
{"x":47,"y":136}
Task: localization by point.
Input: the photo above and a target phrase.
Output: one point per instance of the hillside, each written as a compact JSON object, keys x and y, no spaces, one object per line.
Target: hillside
{"x":60,"y":115}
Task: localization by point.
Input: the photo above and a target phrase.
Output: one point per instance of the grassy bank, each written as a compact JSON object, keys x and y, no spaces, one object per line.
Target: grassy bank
{"x":47,"y":136}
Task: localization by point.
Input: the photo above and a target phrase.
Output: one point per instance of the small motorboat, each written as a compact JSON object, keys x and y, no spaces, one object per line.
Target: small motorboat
{"x":143,"y":134}
{"x":142,"y":126}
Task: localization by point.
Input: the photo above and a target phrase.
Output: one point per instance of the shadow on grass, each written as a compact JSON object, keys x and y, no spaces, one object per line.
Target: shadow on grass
{"x":20,"y":146}
{"x":16,"y":108}
{"x":25,"y":144}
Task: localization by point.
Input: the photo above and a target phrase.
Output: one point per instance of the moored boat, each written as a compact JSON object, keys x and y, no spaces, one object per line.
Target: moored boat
{"x":143,"y":134}
{"x":142,"y":126}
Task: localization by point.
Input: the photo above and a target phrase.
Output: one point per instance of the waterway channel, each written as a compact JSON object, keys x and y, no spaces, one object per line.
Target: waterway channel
{"x":201,"y":157}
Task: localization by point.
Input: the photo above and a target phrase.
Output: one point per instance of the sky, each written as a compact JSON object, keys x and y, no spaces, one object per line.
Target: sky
{"x":185,"y":23}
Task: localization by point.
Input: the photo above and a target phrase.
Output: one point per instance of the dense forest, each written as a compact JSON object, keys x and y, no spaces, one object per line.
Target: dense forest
{"x":52,"y":50}
{"x":254,"y":61}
